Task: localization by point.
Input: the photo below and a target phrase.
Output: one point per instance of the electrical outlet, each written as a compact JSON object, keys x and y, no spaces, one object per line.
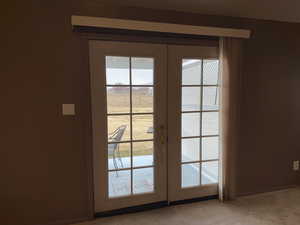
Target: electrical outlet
{"x":296,"y":165}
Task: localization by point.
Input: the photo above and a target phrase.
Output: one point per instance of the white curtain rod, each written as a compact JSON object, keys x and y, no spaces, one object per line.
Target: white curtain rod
{"x":158,"y":27}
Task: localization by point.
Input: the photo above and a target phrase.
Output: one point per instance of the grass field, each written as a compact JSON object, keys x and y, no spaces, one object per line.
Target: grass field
{"x":141,"y":103}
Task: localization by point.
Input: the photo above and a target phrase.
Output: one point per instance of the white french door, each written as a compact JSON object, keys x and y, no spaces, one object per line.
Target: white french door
{"x":129,"y":118}
{"x":155,"y":123}
{"x":193,"y":122}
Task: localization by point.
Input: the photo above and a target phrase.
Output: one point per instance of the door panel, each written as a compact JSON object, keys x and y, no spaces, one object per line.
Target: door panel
{"x":129,"y":116}
{"x":193,"y":125}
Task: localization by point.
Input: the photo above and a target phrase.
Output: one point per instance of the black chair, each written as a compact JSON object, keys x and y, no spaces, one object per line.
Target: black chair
{"x":113,"y":148}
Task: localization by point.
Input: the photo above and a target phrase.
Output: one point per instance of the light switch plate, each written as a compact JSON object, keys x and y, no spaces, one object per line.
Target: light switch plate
{"x":296,"y":165}
{"x":68,"y":109}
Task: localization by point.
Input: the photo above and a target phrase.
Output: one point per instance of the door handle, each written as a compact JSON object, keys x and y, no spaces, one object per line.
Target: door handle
{"x":161,"y":134}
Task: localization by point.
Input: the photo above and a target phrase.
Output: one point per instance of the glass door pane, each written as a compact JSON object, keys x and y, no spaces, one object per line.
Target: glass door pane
{"x":199,"y":119}
{"x":130,"y":92}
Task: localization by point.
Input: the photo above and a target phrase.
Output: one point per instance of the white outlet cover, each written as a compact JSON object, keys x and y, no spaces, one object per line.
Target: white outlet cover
{"x":68,"y":109}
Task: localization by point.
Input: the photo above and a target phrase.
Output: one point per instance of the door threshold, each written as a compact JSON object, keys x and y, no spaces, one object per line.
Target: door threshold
{"x":132,"y":209}
{"x":187,"y":201}
{"x":151,"y":206}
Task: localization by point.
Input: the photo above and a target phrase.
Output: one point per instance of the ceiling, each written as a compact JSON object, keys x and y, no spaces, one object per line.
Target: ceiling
{"x":279,"y":10}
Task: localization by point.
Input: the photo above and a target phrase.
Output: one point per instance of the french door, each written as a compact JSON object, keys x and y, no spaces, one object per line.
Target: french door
{"x":155,"y":123}
{"x":193,"y":122}
{"x":128,"y":83}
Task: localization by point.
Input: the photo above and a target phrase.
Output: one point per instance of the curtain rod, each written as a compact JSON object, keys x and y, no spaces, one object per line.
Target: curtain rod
{"x":138,"y":25}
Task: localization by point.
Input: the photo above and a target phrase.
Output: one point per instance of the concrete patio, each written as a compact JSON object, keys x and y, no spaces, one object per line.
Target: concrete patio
{"x":120,"y":184}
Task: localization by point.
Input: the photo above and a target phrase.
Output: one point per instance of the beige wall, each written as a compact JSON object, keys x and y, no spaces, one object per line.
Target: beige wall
{"x":43,"y":163}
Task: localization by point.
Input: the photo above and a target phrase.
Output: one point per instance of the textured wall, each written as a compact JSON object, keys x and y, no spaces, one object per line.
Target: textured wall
{"x":43,"y":164}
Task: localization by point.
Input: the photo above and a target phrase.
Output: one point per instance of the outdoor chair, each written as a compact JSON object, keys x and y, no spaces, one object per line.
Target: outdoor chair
{"x":113,"y":148}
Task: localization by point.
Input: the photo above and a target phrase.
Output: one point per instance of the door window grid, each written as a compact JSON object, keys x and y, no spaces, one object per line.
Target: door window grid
{"x":131,"y":168}
{"x":197,"y":163}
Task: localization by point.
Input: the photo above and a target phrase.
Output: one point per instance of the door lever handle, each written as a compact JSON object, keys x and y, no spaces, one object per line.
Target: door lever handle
{"x":161,"y":134}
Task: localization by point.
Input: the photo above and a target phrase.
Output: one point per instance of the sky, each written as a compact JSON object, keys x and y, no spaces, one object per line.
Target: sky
{"x":117,"y":71}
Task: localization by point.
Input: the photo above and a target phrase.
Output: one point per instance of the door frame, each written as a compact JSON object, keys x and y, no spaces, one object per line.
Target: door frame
{"x":169,"y":195}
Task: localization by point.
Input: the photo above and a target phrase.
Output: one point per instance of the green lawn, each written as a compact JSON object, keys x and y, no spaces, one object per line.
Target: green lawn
{"x":119,"y":103}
